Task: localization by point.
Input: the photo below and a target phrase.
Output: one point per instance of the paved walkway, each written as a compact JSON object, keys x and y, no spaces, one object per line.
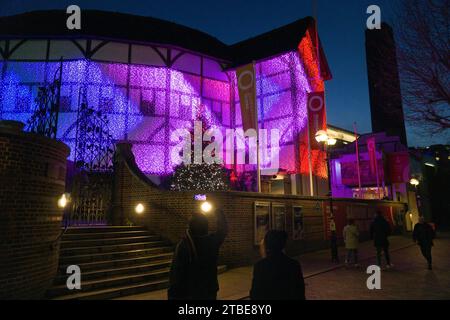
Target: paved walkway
{"x":409,"y":279}
{"x":235,"y":283}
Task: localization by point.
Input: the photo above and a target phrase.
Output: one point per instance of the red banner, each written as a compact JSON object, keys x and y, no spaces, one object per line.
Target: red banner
{"x":371,"y":149}
{"x":398,"y":167}
{"x":316,"y":117}
{"x":246,"y":81}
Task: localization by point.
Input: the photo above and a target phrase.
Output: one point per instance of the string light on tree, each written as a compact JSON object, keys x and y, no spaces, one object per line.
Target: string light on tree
{"x":200,"y":176}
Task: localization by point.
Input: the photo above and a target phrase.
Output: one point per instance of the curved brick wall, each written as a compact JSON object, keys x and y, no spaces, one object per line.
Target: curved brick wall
{"x":32,"y":178}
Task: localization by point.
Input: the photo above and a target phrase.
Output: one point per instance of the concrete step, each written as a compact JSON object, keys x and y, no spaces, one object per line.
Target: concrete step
{"x":114,"y":262}
{"x":117,"y":271}
{"x":120,"y":291}
{"x":116,"y":292}
{"x":65,"y":252}
{"x":111,"y":263}
{"x":99,"y":229}
{"x":101,"y":235}
{"x":113,"y":256}
{"x":115,"y":281}
{"x":106,"y":241}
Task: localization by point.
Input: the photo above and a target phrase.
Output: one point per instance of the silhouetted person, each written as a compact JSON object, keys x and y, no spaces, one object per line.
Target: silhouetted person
{"x":333,"y":242}
{"x":379,"y":232}
{"x":276,"y":276}
{"x":193,"y":274}
{"x":424,"y":234}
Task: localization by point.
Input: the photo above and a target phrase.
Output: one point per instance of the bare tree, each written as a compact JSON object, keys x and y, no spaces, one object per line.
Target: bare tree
{"x":423,"y":55}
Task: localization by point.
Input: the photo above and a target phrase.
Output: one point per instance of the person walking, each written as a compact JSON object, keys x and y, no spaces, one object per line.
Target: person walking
{"x":379,"y":232}
{"x":351,"y":239}
{"x":333,"y":241}
{"x":276,"y":276}
{"x":423,"y":235}
{"x":193,"y":273}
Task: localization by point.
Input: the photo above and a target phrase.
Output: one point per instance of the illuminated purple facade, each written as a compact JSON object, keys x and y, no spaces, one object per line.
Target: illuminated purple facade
{"x":145,"y":104}
{"x":148,"y":91}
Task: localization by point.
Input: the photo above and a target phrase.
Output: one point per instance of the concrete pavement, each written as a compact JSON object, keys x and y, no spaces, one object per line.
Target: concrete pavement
{"x":235,"y":283}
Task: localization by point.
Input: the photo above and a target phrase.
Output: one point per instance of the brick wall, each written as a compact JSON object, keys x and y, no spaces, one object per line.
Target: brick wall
{"x":167,"y":212}
{"x":32,"y":178}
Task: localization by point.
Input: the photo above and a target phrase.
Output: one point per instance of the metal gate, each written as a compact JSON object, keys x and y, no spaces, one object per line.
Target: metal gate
{"x":90,"y":199}
{"x":91,"y":181}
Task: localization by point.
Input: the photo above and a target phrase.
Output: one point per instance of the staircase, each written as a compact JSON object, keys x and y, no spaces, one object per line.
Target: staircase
{"x":115,"y":261}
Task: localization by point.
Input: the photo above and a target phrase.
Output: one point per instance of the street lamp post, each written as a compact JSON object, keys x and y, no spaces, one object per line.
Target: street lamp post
{"x":327,"y":141}
{"x":415,"y":182}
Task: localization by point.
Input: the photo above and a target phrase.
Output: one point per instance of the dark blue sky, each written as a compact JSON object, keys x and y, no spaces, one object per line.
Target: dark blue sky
{"x":341,"y":28}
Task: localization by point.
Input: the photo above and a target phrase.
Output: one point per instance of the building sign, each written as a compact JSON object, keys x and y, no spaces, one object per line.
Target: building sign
{"x":297,"y":223}
{"x":200,"y":197}
{"x":349,"y":173}
{"x":261,"y":221}
{"x":278,"y":216}
{"x":246,"y":81}
{"x":316,"y":117}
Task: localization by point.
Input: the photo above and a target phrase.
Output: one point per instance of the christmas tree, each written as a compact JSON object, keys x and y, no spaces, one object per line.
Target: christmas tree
{"x":200,"y":176}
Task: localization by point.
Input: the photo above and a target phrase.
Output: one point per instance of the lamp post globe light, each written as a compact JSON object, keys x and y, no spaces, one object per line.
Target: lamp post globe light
{"x":321,"y":136}
{"x":326,"y":141}
{"x":414,"y":182}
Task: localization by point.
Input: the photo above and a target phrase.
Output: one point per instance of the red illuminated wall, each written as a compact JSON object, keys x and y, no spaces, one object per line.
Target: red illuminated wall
{"x":315,"y":73}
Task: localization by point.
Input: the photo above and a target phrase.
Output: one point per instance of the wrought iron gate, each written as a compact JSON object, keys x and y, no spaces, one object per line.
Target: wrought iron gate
{"x":92,"y":183}
{"x":90,"y":199}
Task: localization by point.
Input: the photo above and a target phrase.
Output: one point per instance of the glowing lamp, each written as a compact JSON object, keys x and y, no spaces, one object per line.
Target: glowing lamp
{"x":331,"y":141}
{"x":321,"y":136}
{"x":62,"y":202}
{"x":139,"y":209}
{"x":414,"y":182}
{"x":206,"y":207}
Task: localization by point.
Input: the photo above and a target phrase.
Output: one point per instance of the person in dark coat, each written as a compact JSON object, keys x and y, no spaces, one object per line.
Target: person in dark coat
{"x":379,"y":232}
{"x":333,"y":242}
{"x":277,"y":277}
{"x":423,"y":235}
{"x":193,"y":273}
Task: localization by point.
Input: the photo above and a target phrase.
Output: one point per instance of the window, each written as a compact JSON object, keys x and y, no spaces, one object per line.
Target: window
{"x":23,"y":104}
{"x":23,"y":100}
{"x":64,"y":104}
{"x":147,"y":108}
{"x":106,"y":105}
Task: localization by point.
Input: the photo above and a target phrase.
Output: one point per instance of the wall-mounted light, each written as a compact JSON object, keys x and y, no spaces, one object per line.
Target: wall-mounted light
{"x":429,"y":164}
{"x":321,"y":136}
{"x":414,"y":182}
{"x":62,"y":202}
{"x":139,"y":209}
{"x":206,"y":207}
{"x":331,"y":141}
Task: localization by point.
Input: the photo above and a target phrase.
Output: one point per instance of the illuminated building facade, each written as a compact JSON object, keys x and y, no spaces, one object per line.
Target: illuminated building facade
{"x":150,"y":77}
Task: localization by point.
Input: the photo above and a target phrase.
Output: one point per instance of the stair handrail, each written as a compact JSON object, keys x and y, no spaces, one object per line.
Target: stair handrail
{"x":55,"y":242}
